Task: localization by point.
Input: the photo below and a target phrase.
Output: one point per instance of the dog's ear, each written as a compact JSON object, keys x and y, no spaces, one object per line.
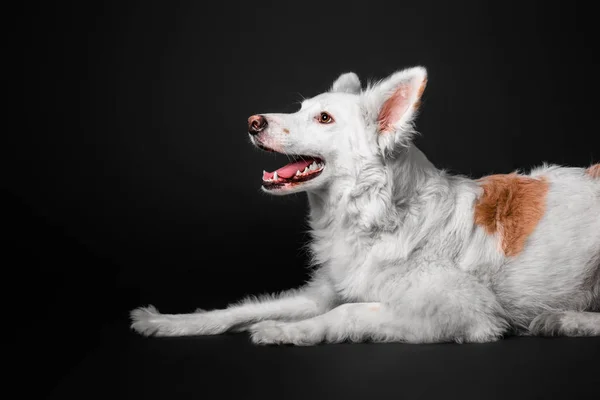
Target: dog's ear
{"x":392,"y":105}
{"x":348,"y":83}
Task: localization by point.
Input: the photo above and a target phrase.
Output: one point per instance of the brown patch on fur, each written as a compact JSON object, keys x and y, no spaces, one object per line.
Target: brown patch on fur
{"x":286,"y":130}
{"x":374,"y":307}
{"x":511,"y":205}
{"x":594,"y":171}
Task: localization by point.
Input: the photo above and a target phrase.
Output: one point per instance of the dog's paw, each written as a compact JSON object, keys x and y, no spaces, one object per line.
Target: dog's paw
{"x":566,"y":323}
{"x":145,"y":320}
{"x":275,"y":332}
{"x":546,"y":324}
{"x":149,"y":322}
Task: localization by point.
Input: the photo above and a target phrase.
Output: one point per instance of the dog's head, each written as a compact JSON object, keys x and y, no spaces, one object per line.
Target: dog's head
{"x":335,"y":132}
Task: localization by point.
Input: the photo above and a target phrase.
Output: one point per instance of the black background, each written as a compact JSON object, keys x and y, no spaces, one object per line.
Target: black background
{"x":131,"y":180}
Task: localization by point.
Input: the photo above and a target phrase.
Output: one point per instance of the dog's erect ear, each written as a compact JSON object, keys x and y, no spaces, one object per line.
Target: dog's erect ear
{"x":392,"y":105}
{"x":348,"y":83}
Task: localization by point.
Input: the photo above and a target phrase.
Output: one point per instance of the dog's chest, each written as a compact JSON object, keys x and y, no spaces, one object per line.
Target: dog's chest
{"x":345,"y":260}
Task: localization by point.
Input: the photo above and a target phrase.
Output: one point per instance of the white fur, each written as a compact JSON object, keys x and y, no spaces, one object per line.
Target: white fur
{"x":397,"y":254}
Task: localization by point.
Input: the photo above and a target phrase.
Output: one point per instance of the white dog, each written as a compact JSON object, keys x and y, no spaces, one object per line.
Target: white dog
{"x":406,"y":252}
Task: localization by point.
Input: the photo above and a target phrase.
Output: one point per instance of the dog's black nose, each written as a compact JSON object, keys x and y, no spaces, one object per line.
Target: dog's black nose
{"x":256,"y":123}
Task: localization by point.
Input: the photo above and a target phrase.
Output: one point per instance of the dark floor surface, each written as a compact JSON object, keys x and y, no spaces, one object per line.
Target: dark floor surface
{"x":124,"y":365}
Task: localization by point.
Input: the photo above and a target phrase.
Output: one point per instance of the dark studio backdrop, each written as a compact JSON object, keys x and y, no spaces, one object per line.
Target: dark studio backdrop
{"x":132,"y":180}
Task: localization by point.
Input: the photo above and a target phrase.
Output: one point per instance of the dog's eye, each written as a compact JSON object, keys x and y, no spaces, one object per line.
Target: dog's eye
{"x":325,"y":118}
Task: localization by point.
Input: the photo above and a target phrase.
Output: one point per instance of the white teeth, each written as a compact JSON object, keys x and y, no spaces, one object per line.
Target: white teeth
{"x":314,"y":166}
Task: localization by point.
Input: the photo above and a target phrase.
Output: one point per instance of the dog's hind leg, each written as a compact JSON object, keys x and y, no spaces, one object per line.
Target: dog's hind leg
{"x":315,"y":298}
{"x":566,"y":323}
{"x":573,"y":323}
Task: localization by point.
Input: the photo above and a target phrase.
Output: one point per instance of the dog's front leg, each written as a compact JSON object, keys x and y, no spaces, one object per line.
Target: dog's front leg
{"x":352,"y":321}
{"x":430,"y":305}
{"x":313,"y":299}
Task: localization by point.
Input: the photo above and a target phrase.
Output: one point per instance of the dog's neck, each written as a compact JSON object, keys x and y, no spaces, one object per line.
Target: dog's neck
{"x":376,"y":196}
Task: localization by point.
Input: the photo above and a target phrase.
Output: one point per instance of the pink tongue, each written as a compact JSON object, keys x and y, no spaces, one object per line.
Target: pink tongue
{"x":289,"y":170}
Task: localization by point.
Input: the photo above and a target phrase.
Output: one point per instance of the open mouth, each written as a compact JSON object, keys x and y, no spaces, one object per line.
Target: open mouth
{"x":302,"y":169}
